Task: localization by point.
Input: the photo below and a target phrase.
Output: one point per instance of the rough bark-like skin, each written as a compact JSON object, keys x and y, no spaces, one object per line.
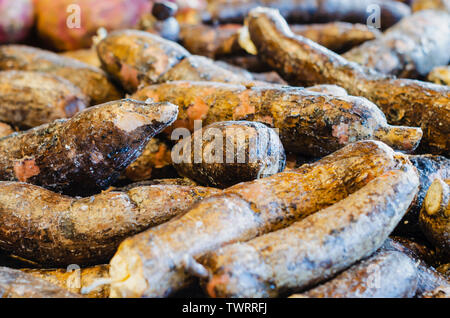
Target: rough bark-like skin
{"x":225,"y":153}
{"x":435,"y":216}
{"x":155,"y":157}
{"x":314,"y":249}
{"x":383,"y":275}
{"x":92,"y":81}
{"x":210,"y":41}
{"x":428,"y":277}
{"x":16,"y":284}
{"x":411,"y":48}
{"x":440,"y":75}
{"x":303,"y":62}
{"x":154,"y":262}
{"x":337,"y":36}
{"x":5,"y":130}
{"x":418,"y":5}
{"x":76,"y":279}
{"x":430,"y":167}
{"x":88,"y":56}
{"x":133,"y":56}
{"x":200,"y":68}
{"x":87,"y":152}
{"x":57,"y":230}
{"x":216,"y":41}
{"x":309,"y":11}
{"x":309,"y":123}
{"x":29,"y":99}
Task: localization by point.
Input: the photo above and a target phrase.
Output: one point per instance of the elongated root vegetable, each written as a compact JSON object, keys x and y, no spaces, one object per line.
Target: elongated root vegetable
{"x":428,"y":277}
{"x":216,"y":41}
{"x":29,"y":99}
{"x":309,"y":123}
{"x":155,"y":158}
{"x":225,"y":153}
{"x":429,"y":167}
{"x":337,"y":36}
{"x":200,"y":68}
{"x":301,"y":61}
{"x":440,"y":75}
{"x":157,"y":262}
{"x":92,"y":81}
{"x":137,"y":58}
{"x":316,"y":248}
{"x":87,"y":152}
{"x":17,"y":284}
{"x":57,"y":230}
{"x":435,"y":215}
{"x":211,"y":41}
{"x":383,"y":275}
{"x":133,"y":56}
{"x":411,"y":48}
{"x":310,"y":11}
{"x":76,"y":279}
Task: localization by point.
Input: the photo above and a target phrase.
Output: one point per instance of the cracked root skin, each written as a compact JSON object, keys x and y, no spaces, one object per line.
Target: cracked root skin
{"x":17,"y":284}
{"x":92,"y":81}
{"x":309,"y":123}
{"x":231,"y":152}
{"x":150,"y":263}
{"x":57,"y":230}
{"x":87,"y":152}
{"x":222,"y":40}
{"x":303,"y":62}
{"x":411,"y":48}
{"x":76,"y":279}
{"x":30,"y":99}
{"x":316,"y":248}
{"x":382,"y":275}
{"x":435,"y":215}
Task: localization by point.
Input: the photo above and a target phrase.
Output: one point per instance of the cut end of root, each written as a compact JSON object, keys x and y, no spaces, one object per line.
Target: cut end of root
{"x":214,"y":282}
{"x":436,"y":195}
{"x":401,"y":138}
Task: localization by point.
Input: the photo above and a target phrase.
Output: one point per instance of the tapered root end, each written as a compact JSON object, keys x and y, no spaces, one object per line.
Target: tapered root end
{"x":401,"y":138}
{"x":215,"y":282}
